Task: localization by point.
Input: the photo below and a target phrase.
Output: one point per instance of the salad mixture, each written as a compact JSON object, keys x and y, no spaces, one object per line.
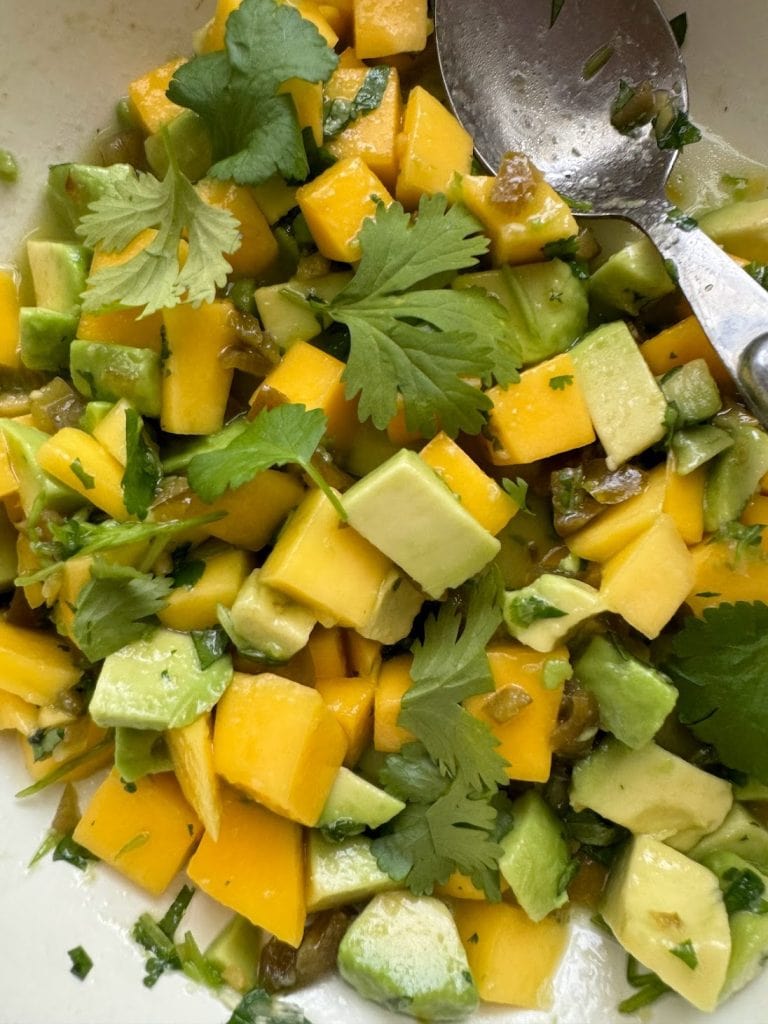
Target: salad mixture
{"x":394,"y":554}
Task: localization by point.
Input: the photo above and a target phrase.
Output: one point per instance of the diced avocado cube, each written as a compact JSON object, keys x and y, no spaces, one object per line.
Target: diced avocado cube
{"x":404,"y":951}
{"x":397,"y":604}
{"x":44,"y":338}
{"x":93,"y":415}
{"x":735,"y":474}
{"x":541,"y":614}
{"x":536,"y":858}
{"x":625,"y":403}
{"x":140,"y":752}
{"x":405,"y":510}
{"x":354,"y":803}
{"x":651,"y":791}
{"x":112,"y":372}
{"x":235,"y":952}
{"x":693,"y":392}
{"x":739,"y":833}
{"x":157,"y":683}
{"x":695,"y":446}
{"x":667,"y":911}
{"x":634,"y":698}
{"x":629,"y":279}
{"x":37,"y":490}
{"x":339,"y":873}
{"x":188,"y":139}
{"x":286,"y":318}
{"x":263,"y":623}
{"x":741,"y":228}
{"x":73,"y":187}
{"x":368,"y":448}
{"x":59,"y":273}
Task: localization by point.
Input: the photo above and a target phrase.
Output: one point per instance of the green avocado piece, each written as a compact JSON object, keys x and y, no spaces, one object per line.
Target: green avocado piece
{"x":404,"y":952}
{"x":263,"y":623}
{"x":651,"y":791}
{"x":541,"y":614}
{"x":287,"y":319}
{"x":405,"y":510}
{"x":93,"y":415}
{"x":188,"y":139}
{"x":235,"y":952}
{"x":140,"y":752}
{"x":692,"y":389}
{"x":634,"y":698}
{"x":367,"y":450}
{"x":177,"y":457}
{"x":735,"y":474}
{"x":44,"y":338}
{"x":112,"y":372}
{"x":629,"y":279}
{"x":740,"y":228}
{"x":157,"y":683}
{"x":73,"y":187}
{"x":739,"y":833}
{"x":37,"y":490}
{"x":59,"y":273}
{"x":340,"y":873}
{"x":695,"y":446}
{"x":354,"y":804}
{"x":536,"y":858}
{"x":626,"y":404}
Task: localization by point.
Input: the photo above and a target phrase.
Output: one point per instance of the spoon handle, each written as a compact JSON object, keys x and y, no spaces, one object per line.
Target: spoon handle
{"x":730,"y":305}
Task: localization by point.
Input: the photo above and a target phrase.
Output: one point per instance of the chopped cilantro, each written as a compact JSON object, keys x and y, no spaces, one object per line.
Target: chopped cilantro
{"x":171,"y":919}
{"x":678,"y":132}
{"x":561,"y":382}
{"x":44,"y":742}
{"x":686,"y":952}
{"x":681,"y":220}
{"x":65,"y":767}
{"x":143,"y":471}
{"x":758,"y":271}
{"x":554,"y":11}
{"x":743,"y":539}
{"x":185,"y":571}
{"x":258,"y":1007}
{"x":342,"y":829}
{"x":253,"y":126}
{"x":419,"y":342}
{"x":81,"y":962}
{"x":596,"y":61}
{"x":70,"y":851}
{"x":338,"y":114}
{"x":524,"y":609}
{"x":578,"y":205}
{"x":745,"y":891}
{"x":679,"y":26}
{"x":210,"y":645}
{"x":517,"y":490}
{"x":564,"y":248}
{"x":85,"y":479}
{"x":716,"y":662}
{"x":649,"y":987}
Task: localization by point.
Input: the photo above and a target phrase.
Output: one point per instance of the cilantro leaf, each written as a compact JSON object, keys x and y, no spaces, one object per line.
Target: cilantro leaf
{"x":743,"y":890}
{"x":286,"y":434}
{"x":561,"y":381}
{"x":210,"y":645}
{"x":717,"y":663}
{"x":258,"y":1007}
{"x":679,"y":26}
{"x":143,"y":471}
{"x":421,"y":344}
{"x":554,"y":12}
{"x":81,"y":962}
{"x":113,"y":608}
{"x":44,"y":741}
{"x":412,"y":775}
{"x":154,"y":278}
{"x":686,"y":951}
{"x":677,"y":132}
{"x":254,"y":130}
{"x":339,"y":113}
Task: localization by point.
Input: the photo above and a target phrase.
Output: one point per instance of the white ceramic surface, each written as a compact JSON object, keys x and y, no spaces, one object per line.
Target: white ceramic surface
{"x":62,"y":66}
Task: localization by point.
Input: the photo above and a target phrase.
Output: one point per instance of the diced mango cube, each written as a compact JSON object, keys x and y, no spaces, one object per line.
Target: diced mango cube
{"x":9,"y":318}
{"x":525,"y":739}
{"x":363,"y":655}
{"x":433,"y":148}
{"x":194,"y":607}
{"x":110,"y":431}
{"x":351,"y":701}
{"x":722,"y":576}
{"x":273,"y":735}
{"x":648,"y":580}
{"x":326,"y":650}
{"x":38,"y":667}
{"x":756,"y":514}
{"x":146,"y":835}
{"x":459,"y":887}
{"x":256,"y":867}
{"x":325,"y":564}
{"x":480,"y":495}
{"x":310,"y":11}
{"x":386,"y":27}
{"x":684,"y":501}
{"x":17,"y":713}
{"x":394,"y":679}
{"x":374,"y":136}
{"x":518,"y":233}
{"x":195,"y":383}
{"x":512,"y":959}
{"x":308,"y":100}
{"x":191,"y":750}
{"x":340,"y":16}
{"x":258,"y":248}
{"x":336,"y":204}
{"x":535,"y":418}
{"x":680,"y":344}
{"x":79,"y":461}
{"x":148,"y":99}
{"x":83,"y":740}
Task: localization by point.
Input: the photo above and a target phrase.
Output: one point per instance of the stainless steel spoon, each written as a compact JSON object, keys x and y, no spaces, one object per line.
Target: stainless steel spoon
{"x":517,"y":82}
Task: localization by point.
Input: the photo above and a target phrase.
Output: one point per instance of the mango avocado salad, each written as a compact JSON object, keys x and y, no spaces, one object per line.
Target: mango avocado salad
{"x":391,"y":554}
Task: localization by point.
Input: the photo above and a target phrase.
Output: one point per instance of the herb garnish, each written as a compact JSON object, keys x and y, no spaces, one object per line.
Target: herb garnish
{"x":143,"y":471}
{"x":338,"y":114}
{"x":81,"y":962}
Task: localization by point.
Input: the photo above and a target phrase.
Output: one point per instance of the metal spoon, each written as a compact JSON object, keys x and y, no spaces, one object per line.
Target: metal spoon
{"x":517,"y":82}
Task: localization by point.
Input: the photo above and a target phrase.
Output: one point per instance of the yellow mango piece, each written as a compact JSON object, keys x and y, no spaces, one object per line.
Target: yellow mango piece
{"x":374,"y":137}
{"x":351,"y":701}
{"x":195,"y":384}
{"x":148,"y":100}
{"x":721,"y":576}
{"x":310,"y":11}
{"x":213,"y":36}
{"x":363,"y":655}
{"x":336,"y":204}
{"x":648,"y":580}
{"x":383,"y":29}
{"x":110,"y":431}
{"x":619,"y":524}
{"x":258,"y":248}
{"x":531,"y":420}
{"x":255,"y":867}
{"x":253,"y":511}
{"x":9,"y":318}
{"x":394,"y":679}
{"x":398,"y":431}
{"x":80,"y":736}
{"x":325,"y":564}
{"x":433,"y":148}
{"x":310,"y":377}
{"x":459,"y":887}
{"x":191,"y":750}
{"x":121,"y":326}
{"x":79,"y":461}
{"x":680,"y":344}
{"x":756,"y":513}
{"x":684,"y":501}
{"x":146,"y":835}
{"x":194,"y":607}
{"x":273,"y":735}
{"x":327,"y":653}
{"x":512,"y":959}
{"x":525,"y":739}
{"x":275,"y":198}
{"x":518,"y":233}
{"x":480,"y":495}
{"x":340,"y":16}
{"x":35,"y":666}
{"x":17,"y":713}
{"x":308,"y":100}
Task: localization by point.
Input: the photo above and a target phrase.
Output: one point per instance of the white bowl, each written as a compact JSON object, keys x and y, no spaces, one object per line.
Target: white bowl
{"x":62,"y":67}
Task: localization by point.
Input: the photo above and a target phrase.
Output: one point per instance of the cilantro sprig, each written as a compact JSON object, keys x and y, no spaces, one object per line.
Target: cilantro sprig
{"x":253,"y":127}
{"x":411,"y":338}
